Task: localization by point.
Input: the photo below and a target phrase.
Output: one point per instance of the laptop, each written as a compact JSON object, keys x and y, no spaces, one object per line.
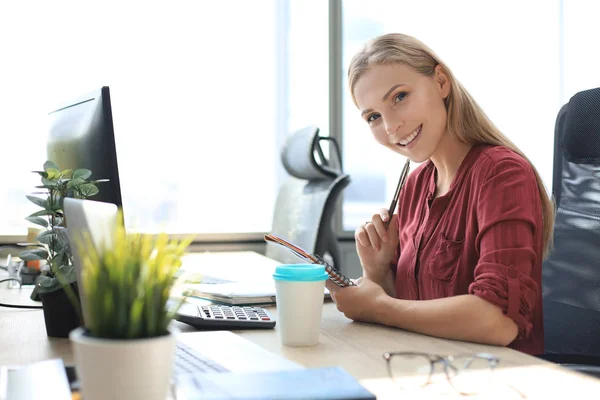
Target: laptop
{"x":196,"y":352}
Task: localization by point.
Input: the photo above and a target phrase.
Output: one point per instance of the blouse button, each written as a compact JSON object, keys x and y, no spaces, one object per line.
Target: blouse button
{"x":512,"y":273}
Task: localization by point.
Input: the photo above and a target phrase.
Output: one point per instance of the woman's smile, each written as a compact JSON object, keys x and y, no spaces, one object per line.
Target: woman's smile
{"x":408,"y":141}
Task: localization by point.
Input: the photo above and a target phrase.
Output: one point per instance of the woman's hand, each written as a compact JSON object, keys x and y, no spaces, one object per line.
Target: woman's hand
{"x":360,"y":302}
{"x":377,"y":245}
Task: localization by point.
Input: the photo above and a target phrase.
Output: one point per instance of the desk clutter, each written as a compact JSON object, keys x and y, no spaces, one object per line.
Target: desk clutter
{"x":195,"y":378}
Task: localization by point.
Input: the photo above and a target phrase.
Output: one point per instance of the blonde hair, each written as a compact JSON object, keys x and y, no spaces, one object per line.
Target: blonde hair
{"x":466,"y":120}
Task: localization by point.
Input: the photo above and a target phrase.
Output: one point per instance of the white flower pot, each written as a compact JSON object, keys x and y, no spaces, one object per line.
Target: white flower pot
{"x":123,"y":368}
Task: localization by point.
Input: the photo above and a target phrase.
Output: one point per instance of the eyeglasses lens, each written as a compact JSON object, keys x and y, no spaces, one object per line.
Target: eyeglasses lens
{"x":470,"y":374}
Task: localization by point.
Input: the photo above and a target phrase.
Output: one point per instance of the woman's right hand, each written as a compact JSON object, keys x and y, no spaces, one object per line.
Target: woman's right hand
{"x":376,"y":245}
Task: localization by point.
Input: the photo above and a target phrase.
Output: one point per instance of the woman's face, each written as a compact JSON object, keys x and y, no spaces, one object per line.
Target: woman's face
{"x":404,"y":109}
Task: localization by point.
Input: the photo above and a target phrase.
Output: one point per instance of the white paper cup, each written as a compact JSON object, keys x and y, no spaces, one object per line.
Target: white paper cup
{"x":299,"y":295}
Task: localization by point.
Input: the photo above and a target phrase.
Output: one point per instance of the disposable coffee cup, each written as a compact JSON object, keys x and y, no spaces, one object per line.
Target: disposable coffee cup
{"x":299,"y":290}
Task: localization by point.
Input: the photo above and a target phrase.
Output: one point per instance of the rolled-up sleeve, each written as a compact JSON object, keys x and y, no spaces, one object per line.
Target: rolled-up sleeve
{"x":508,"y":210}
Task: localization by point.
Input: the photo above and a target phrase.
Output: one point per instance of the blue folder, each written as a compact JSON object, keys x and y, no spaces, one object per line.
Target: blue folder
{"x":331,"y":383}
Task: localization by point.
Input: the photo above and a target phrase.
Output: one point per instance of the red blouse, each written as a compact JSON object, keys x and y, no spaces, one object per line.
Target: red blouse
{"x":484,"y":237}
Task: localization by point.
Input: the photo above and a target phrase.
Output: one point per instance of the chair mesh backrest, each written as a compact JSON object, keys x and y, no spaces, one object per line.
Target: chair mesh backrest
{"x":303,"y":215}
{"x":298,"y":156}
{"x":306,"y":201}
{"x":571,"y":275}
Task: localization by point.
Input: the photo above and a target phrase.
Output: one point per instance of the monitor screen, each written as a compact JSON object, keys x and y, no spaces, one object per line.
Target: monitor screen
{"x":81,"y":135}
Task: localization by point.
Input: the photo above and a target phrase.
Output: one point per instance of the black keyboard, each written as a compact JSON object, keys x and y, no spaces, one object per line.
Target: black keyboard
{"x":224,"y":317}
{"x":189,"y":361}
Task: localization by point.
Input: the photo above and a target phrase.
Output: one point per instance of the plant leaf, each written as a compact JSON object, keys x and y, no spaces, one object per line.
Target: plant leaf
{"x":47,"y":284}
{"x":32,"y":244}
{"x":38,"y":201}
{"x":73,"y":183}
{"x":38,"y":221}
{"x":35,"y":254}
{"x":63,"y":238}
{"x":88,"y":190}
{"x":50,"y":165}
{"x":53,"y":173}
{"x":81,"y":173}
{"x":60,"y":258}
{"x":46,"y":237}
{"x":41,"y":213}
{"x":48,"y":183}
{"x":66,"y":274}
{"x":65,"y":172}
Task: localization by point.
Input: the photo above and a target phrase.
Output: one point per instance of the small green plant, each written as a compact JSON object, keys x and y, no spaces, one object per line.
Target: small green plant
{"x":128,"y":283}
{"x":52,"y":244}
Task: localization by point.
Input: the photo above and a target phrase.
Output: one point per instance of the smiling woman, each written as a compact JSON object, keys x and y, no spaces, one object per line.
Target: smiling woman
{"x":519,"y":76}
{"x":462,"y":256}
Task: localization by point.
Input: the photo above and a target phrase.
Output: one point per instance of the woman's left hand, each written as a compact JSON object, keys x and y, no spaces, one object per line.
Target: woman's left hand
{"x":359,"y":303}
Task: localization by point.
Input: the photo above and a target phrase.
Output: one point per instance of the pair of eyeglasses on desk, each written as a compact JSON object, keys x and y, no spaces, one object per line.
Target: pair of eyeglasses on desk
{"x":468,"y":374}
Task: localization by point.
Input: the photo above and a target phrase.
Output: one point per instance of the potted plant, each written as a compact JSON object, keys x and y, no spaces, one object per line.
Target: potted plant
{"x":126,"y":348}
{"x":56,"y":286}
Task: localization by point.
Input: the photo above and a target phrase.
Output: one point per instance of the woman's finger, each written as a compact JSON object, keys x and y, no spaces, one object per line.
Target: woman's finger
{"x":331,"y":286}
{"x":361,"y":236}
{"x":373,"y":235}
{"x":385,"y":214}
{"x":379,"y":225}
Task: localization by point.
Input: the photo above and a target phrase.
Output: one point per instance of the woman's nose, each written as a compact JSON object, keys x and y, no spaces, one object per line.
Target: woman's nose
{"x":392,"y":125}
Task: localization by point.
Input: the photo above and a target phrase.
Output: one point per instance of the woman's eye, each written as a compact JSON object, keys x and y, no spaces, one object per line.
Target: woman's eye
{"x":372,"y":118}
{"x":400,"y":96}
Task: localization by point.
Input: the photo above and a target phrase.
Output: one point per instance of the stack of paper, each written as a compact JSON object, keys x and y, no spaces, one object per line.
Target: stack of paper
{"x":236,"y":293}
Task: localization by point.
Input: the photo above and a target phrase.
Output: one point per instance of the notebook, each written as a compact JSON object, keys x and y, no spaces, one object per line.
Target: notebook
{"x":330,"y":383}
{"x":233,"y":293}
{"x":236,"y":293}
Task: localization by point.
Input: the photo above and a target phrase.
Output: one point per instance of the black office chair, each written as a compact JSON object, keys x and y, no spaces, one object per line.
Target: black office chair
{"x":306,"y":201}
{"x":571,"y":275}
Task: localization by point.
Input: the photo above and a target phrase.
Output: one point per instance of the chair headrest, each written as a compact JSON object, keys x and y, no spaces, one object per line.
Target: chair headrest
{"x":581,"y":136}
{"x":298,"y":156}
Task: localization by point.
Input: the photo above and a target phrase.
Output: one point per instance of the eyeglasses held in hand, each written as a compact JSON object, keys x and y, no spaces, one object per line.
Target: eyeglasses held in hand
{"x":415,"y":370}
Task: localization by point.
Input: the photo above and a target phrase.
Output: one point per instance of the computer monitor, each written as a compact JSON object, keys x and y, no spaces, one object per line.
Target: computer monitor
{"x":81,"y":135}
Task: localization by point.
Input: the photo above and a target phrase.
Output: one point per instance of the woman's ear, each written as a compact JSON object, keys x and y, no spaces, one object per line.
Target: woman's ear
{"x":442,"y":80}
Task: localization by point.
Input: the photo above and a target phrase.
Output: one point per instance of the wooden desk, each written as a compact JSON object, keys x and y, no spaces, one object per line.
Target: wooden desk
{"x":357,"y":347}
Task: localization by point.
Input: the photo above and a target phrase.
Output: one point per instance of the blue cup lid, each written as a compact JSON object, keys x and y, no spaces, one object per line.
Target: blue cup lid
{"x":300,"y":273}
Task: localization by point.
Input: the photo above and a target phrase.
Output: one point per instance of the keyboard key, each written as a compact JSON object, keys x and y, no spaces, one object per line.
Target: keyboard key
{"x":187,"y":360}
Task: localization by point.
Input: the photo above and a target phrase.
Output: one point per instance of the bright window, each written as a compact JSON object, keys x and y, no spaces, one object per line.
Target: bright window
{"x":196,"y":90}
